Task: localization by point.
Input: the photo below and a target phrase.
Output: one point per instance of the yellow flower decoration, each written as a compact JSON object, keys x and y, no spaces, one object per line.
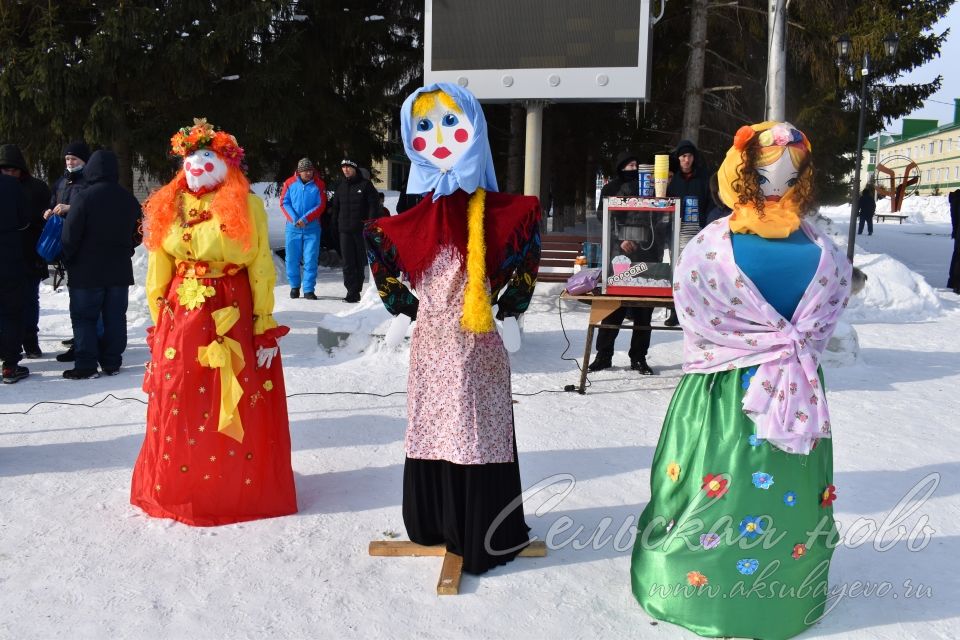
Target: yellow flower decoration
{"x":192,"y":294}
{"x":673,"y":471}
{"x":268,"y":385}
{"x":170,"y":353}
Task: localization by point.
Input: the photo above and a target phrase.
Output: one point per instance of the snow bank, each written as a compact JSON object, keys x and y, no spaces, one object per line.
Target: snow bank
{"x":362,"y":320}
{"x":919,"y":209}
{"x":893,"y":293}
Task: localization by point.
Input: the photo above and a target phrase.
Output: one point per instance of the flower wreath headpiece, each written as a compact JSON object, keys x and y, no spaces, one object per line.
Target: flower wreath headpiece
{"x":202,"y":135}
{"x":780,"y":134}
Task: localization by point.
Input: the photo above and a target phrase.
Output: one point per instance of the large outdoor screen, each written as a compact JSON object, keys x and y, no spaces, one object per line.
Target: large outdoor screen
{"x":559,"y":50}
{"x":525,"y":34}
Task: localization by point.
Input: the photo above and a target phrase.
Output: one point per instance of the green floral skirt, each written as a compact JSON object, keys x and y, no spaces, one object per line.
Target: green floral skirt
{"x":737,"y":537}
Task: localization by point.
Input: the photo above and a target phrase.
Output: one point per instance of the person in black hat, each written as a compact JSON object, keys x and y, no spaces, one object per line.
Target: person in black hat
{"x":690,"y":183}
{"x":354,"y":202}
{"x":37,"y":194}
{"x":75,"y":156}
{"x":65,"y":189}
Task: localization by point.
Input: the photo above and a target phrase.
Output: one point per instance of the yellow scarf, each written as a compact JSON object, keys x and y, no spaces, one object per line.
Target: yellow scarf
{"x":778,"y":220}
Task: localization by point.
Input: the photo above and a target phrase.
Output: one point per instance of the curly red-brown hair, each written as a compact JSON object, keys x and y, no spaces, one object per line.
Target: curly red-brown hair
{"x":163,"y":208}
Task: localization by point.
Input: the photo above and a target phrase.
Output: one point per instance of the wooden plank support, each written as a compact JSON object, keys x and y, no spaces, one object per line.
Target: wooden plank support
{"x":405,"y":548}
{"x":400,"y":548}
{"x":450,"y":574}
{"x":536,"y":549}
{"x":452,"y":570}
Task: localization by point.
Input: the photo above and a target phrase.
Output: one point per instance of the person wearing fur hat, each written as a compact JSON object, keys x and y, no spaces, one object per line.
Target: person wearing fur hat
{"x":743,"y":471}
{"x":217,"y":444}
{"x":302,"y":201}
{"x":470,"y":253}
{"x":12,"y":163}
{"x":353,"y":203}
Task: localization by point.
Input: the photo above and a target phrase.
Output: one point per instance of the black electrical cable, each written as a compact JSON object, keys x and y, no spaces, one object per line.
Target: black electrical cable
{"x":327,"y":393}
{"x":563,"y":329}
{"x":292,"y":395}
{"x":110,"y":395}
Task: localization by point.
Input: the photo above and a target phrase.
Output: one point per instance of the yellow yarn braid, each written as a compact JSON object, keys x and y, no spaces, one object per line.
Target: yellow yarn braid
{"x":477,"y":312}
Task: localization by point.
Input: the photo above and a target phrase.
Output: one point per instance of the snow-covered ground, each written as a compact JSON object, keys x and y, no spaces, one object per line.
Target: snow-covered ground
{"x":77,"y":561}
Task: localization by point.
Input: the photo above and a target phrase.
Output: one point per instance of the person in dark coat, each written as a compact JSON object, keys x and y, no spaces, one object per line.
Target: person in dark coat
{"x":719,"y":210}
{"x":14,"y":220}
{"x":866,"y":207}
{"x":408,"y":201}
{"x":98,"y":241}
{"x":65,"y":189}
{"x":691,"y":178}
{"x":953,"y":198}
{"x":37,"y":194}
{"x":626,"y":184}
{"x":690,"y":183}
{"x":953,"y":276}
{"x":354,"y":202}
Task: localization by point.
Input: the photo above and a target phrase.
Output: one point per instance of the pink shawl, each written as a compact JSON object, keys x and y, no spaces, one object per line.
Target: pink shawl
{"x":727,"y":324}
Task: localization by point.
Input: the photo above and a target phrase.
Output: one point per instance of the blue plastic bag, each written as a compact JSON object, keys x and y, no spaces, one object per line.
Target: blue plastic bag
{"x":49,"y":246}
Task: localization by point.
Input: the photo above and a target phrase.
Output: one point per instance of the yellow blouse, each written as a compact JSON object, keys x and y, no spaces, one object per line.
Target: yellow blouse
{"x":205,"y":241}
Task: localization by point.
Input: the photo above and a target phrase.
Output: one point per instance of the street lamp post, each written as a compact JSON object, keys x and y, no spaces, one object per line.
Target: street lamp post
{"x":843,"y":56}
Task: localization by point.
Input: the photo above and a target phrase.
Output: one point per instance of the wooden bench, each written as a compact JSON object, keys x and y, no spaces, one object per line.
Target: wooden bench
{"x":557,"y":253}
{"x":899,"y":217}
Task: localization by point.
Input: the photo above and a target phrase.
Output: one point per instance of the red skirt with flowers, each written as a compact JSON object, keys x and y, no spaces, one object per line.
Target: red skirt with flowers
{"x":187,"y":469}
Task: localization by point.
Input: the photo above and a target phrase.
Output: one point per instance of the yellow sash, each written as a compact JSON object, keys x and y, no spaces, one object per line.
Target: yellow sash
{"x":226,"y":354}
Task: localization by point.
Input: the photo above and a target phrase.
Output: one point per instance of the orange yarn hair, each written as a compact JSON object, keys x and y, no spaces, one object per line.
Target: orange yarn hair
{"x":162,"y":208}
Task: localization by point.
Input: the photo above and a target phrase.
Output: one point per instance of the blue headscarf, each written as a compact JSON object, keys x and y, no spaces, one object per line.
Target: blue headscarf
{"x":474,"y":168}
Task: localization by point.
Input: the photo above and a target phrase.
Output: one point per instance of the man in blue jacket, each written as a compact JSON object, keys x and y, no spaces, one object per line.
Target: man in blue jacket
{"x":302,"y":201}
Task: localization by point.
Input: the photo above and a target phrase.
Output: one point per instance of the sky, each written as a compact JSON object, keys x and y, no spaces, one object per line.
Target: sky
{"x":939,"y":106}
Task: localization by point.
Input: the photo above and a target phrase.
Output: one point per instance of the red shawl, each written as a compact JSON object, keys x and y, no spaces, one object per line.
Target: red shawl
{"x":420,"y":232}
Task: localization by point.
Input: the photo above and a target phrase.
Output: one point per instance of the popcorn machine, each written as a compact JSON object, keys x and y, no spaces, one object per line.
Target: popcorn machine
{"x":639,"y":247}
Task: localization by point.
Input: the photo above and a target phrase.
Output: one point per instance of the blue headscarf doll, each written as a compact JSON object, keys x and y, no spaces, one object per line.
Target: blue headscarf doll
{"x":470,"y":163}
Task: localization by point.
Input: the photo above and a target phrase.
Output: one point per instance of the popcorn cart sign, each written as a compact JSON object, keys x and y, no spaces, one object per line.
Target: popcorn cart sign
{"x":639,"y":248}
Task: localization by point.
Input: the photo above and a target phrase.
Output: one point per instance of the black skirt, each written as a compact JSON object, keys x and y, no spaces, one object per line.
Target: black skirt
{"x":459,"y":504}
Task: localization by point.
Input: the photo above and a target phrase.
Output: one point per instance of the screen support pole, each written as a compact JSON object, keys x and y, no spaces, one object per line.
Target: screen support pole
{"x":534,"y":142}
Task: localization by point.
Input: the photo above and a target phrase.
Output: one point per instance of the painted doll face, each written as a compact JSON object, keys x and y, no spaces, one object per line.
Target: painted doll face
{"x":775,"y":179}
{"x":204,"y":169}
{"x":442,"y":136}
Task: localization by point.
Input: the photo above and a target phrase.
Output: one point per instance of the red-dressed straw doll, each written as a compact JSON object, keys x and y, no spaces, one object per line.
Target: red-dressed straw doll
{"x":217,"y":444}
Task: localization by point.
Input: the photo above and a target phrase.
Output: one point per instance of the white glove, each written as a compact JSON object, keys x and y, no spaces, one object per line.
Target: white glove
{"x":265,"y":356}
{"x":510,"y":334}
{"x":398,"y":330}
